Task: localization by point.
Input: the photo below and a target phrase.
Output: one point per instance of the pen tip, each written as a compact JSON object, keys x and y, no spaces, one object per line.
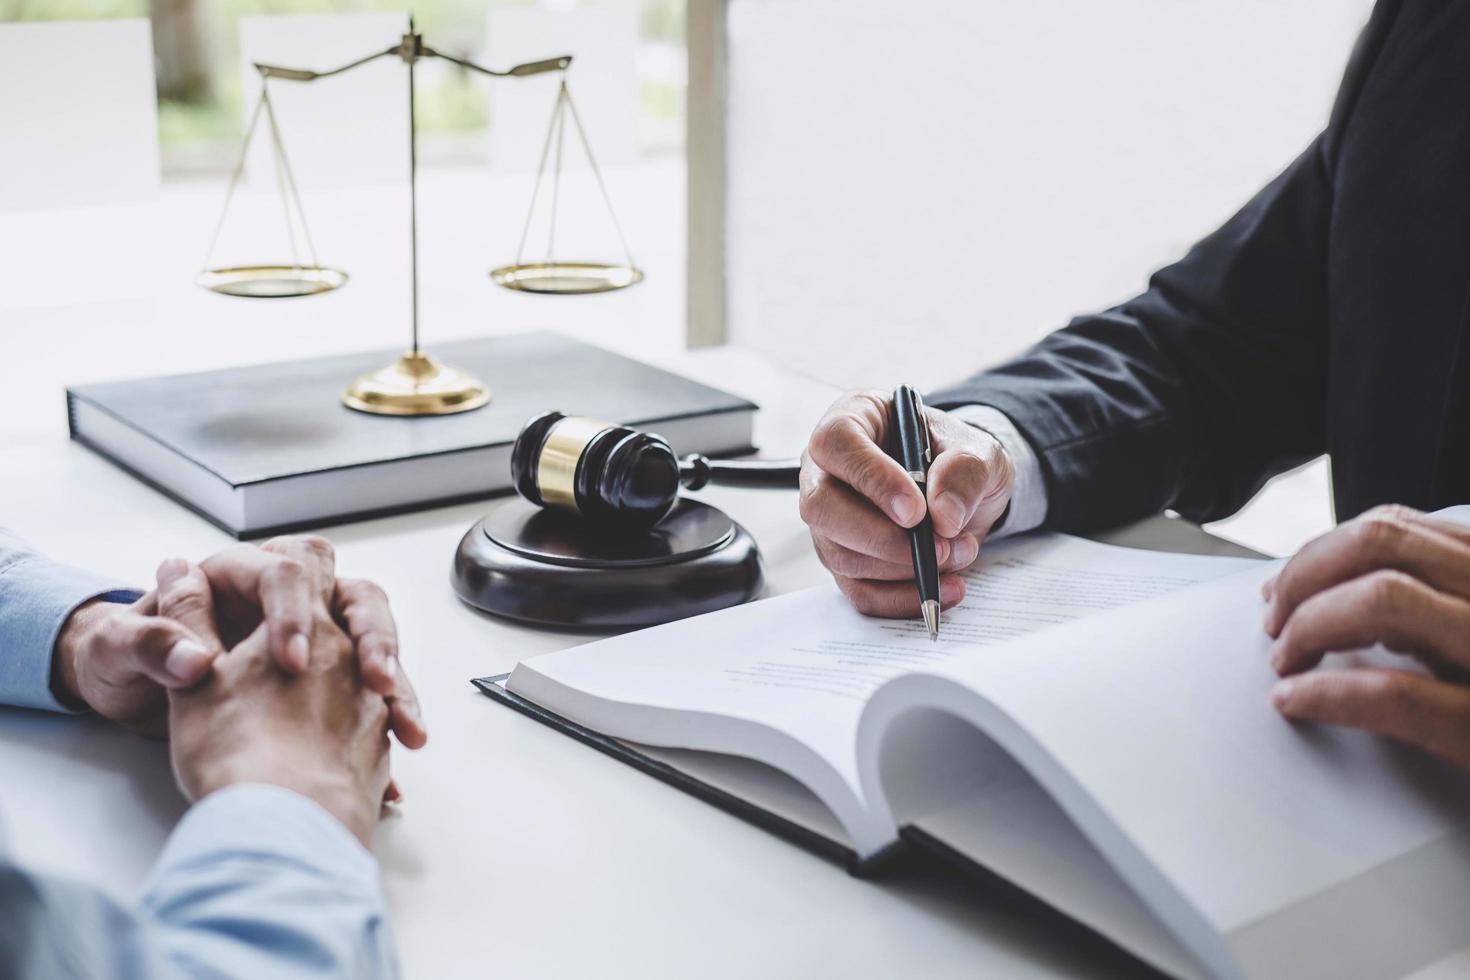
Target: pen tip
{"x":930,"y":609}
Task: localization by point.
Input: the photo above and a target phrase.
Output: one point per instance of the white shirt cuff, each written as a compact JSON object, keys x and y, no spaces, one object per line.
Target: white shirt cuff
{"x":1028,"y":495}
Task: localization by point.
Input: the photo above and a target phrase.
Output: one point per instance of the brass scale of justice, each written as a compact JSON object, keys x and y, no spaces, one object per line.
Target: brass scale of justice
{"x":415,"y":384}
{"x":600,"y":536}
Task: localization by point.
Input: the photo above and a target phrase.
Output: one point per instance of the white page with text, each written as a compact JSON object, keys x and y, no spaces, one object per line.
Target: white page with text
{"x":799,"y":668}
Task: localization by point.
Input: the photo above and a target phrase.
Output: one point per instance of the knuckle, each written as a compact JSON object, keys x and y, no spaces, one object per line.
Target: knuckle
{"x":826,"y":554}
{"x":172,"y":568}
{"x":286,"y":572}
{"x":969,"y":462}
{"x":844,"y":562}
{"x":150,"y":636}
{"x":862,"y":470}
{"x":224,"y":559}
{"x":1005,"y":468}
{"x":189,"y":592}
{"x":849,"y":587}
{"x":329,"y":646}
{"x":1390,"y":688}
{"x":874,"y":542}
{"x":966,"y":471}
{"x":184,"y":605}
{"x":862,"y":600}
{"x":378,"y":642}
{"x":1389,"y":590}
{"x":1288,"y":639}
{"x":828,"y":435}
{"x":405,"y":697}
{"x":317,"y":546}
{"x":810,"y":503}
{"x":1380,"y":531}
{"x":364,"y":591}
{"x":1393,"y":512}
{"x":871,"y":402}
{"x":377,"y":712}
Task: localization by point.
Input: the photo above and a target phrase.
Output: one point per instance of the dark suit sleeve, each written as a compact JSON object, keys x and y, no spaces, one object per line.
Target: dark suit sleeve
{"x":1193,"y":394}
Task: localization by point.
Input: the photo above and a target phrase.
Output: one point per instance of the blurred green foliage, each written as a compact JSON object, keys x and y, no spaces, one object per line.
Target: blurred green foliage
{"x":453,"y":103}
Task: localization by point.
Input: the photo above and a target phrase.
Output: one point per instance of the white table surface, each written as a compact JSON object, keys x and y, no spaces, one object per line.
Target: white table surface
{"x":517,"y":852}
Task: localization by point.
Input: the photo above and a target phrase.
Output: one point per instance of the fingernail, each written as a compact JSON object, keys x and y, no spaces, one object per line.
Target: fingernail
{"x":951,"y":591}
{"x":1267,"y":587}
{"x":942,"y":550}
{"x":298,"y":651}
{"x":186,"y":661}
{"x":905,"y":509}
{"x":1281,"y":695}
{"x":949,"y":510}
{"x":966,"y":549}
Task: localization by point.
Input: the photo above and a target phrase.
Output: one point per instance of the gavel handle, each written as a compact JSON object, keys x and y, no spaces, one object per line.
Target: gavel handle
{"x":697,"y":471}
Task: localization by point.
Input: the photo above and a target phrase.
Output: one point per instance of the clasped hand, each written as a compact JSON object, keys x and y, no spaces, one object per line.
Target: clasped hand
{"x":261,"y":665}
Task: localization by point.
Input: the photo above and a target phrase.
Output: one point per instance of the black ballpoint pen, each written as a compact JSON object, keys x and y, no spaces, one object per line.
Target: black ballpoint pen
{"x":914,"y":455}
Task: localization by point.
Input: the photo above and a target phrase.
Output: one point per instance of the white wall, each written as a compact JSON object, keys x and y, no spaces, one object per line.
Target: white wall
{"x":958,"y":177}
{"x":918,"y":189}
{"x":78,"y":117}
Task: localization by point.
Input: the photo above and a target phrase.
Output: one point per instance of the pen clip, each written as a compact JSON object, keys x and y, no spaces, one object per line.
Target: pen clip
{"x":923,"y":427}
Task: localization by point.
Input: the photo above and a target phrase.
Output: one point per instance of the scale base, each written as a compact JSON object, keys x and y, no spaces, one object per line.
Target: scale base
{"x":416,"y":384}
{"x":553,"y":568}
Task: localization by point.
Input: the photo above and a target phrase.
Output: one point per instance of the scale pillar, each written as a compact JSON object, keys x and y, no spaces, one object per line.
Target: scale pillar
{"x":415,"y":384}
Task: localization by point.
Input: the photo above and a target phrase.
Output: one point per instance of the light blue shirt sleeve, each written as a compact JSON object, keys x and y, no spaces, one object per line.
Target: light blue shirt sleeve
{"x":256,"y":881}
{"x":36,"y":597}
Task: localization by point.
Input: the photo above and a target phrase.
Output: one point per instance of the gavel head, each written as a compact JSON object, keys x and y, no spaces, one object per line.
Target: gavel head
{"x":611,"y":475}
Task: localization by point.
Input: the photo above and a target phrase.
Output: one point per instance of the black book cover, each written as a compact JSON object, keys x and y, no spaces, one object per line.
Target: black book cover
{"x":494,"y":688}
{"x":268,"y":421}
{"x":250,"y":426}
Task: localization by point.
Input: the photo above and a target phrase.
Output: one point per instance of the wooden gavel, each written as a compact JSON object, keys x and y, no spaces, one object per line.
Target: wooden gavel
{"x":618,"y":477}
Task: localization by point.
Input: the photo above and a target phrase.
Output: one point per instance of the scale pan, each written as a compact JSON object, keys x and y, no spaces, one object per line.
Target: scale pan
{"x":566,"y":278}
{"x":271,"y":281}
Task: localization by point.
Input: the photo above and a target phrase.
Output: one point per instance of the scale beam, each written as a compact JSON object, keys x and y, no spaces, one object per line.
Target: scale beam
{"x":306,"y":75}
{"x":410,"y":49}
{"x":559,"y":63}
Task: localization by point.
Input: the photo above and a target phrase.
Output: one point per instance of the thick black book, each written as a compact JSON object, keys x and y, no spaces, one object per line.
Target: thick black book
{"x":270,"y":448}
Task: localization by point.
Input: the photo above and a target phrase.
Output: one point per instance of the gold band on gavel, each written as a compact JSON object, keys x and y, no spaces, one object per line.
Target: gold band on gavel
{"x":556,"y":472}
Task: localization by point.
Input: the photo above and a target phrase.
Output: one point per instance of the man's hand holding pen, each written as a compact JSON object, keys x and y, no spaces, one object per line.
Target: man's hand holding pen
{"x":860,"y":502}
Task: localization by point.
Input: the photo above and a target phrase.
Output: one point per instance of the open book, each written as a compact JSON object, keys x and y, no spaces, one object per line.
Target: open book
{"x":1093,"y":725}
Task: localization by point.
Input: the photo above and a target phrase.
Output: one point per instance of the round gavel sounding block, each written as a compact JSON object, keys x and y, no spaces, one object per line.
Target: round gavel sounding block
{"x":553,"y":568}
{"x":601,"y":538}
